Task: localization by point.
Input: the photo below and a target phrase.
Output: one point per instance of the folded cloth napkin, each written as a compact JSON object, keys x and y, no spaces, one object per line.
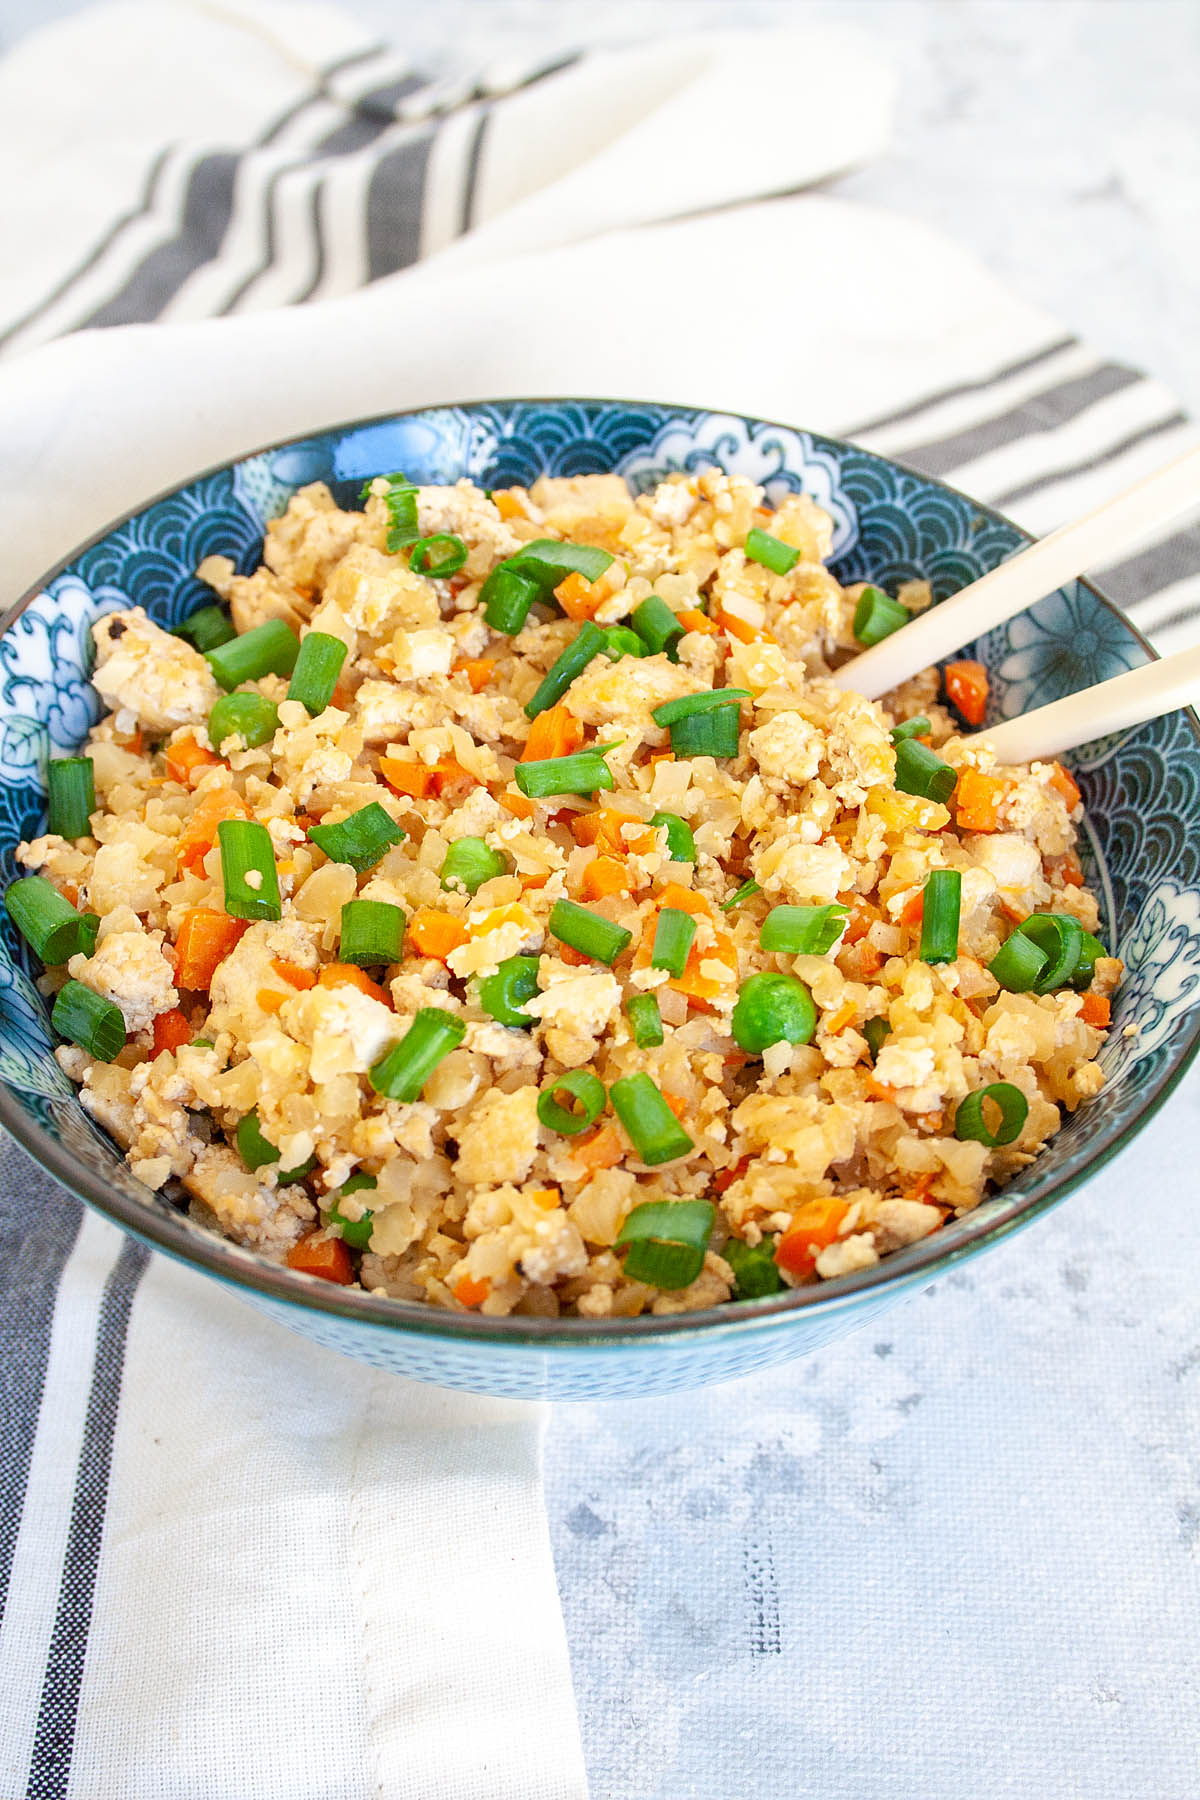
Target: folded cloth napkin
{"x":234,"y":1563}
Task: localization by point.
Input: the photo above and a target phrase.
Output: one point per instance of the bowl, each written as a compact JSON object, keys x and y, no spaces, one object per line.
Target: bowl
{"x":1141,"y":853}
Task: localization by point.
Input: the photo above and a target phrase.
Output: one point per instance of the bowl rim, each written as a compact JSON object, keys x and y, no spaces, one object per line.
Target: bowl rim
{"x":198,"y":1246}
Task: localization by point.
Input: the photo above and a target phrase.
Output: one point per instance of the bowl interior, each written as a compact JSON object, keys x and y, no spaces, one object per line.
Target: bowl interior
{"x":1141,"y":787}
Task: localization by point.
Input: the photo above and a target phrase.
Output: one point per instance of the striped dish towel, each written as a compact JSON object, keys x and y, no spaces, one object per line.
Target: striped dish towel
{"x":231,"y":1563}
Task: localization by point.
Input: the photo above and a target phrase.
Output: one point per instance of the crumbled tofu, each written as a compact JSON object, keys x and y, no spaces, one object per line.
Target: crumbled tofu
{"x":143,"y":670}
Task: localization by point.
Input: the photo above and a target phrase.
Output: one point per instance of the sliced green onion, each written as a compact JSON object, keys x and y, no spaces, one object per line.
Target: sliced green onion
{"x":689,"y":705}
{"x":252,"y":717}
{"x":941,"y":907}
{"x":470,"y":862}
{"x":907,"y":728}
{"x":202,"y":1043}
{"x":582,"y":1086}
{"x":372,"y":931}
{"x":588,"y":932}
{"x":402,"y":1071}
{"x":1061,"y":937}
{"x":747,"y":889}
{"x":771,"y":552}
{"x":645,"y":1020}
{"x":1018,"y":963}
{"x":429,"y":558}
{"x":772,"y":1009}
{"x":1085,"y":968}
{"x":708,"y":734}
{"x":620,"y":641}
{"x":71,"y":792}
{"x":355,"y":1232}
{"x":561,"y":673}
{"x":755,"y":1271}
{"x":401,"y":498}
{"x":582,"y":773}
{"x":299,"y":1173}
{"x":657,"y":626}
{"x":506,"y":597}
{"x":673,"y":937}
{"x":246,"y":852}
{"x":548,"y":561}
{"x":651,"y":1126}
{"x":361,"y":840}
{"x":269,"y":649}
{"x":89,"y":1020}
{"x":803,"y":930}
{"x":50,"y":925}
{"x":877,"y":615}
{"x":680,"y":842}
{"x":504,"y":993}
{"x":317,"y":669}
{"x":969,"y":1121}
{"x":919,"y":771}
{"x":206,"y":628}
{"x":667,"y":1240}
{"x":875,"y":1030}
{"x":253,"y":1148}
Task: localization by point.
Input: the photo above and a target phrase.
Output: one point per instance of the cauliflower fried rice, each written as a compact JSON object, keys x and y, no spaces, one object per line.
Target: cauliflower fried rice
{"x":796,"y":1129}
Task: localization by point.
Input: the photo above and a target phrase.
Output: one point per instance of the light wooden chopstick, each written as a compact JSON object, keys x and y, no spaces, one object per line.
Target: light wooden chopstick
{"x":1115,"y":705}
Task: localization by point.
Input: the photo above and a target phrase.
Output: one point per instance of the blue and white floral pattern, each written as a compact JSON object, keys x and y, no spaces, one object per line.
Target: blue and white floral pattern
{"x":1142,"y":790}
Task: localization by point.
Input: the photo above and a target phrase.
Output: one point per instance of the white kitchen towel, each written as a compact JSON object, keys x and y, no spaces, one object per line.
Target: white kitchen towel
{"x":236,"y":1564}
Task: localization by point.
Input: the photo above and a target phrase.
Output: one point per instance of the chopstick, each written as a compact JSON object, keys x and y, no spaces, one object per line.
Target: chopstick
{"x":1098,"y":537}
{"x":1130,"y":699}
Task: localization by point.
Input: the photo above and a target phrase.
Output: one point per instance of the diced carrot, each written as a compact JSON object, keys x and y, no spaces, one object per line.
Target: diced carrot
{"x":135,"y":743}
{"x":977,"y":800}
{"x":554,"y":732}
{"x":694,"y":620}
{"x":967,"y":689}
{"x":606,"y":875}
{"x":1096,"y":1010}
{"x":743,"y":631}
{"x":920,"y":1188}
{"x":580,"y":599}
{"x":1072,"y":870}
{"x":678,"y":1105}
{"x":418,"y":780}
{"x":271,"y":1000}
{"x":531,"y":883}
{"x":201,"y":833}
{"x":579,"y":958}
{"x":471,"y":1293}
{"x":914,"y":908}
{"x":435,"y":933}
{"x":171,"y":1029}
{"x":813,"y":1228}
{"x":698,"y":989}
{"x":510,"y":502}
{"x":1062,"y":780}
{"x":187,"y":761}
{"x":70,"y":893}
{"x":293,"y":974}
{"x":728,"y":1176}
{"x":315,"y":1254}
{"x":603,"y":828}
{"x":518,"y":804}
{"x":205,"y":940}
{"x":478,"y":671}
{"x":837,"y":1021}
{"x":350,"y":975}
{"x":862,"y":916}
{"x":545,"y":1198}
{"x":603,"y":1150}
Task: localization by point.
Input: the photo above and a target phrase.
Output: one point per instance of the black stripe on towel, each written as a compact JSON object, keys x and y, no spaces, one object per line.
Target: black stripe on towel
{"x":471,"y":180}
{"x":929,"y":401}
{"x":154,"y":282}
{"x":1159,"y":566}
{"x":395,"y":202}
{"x":1042,"y":412}
{"x":50,"y":1763}
{"x":1111,"y":454}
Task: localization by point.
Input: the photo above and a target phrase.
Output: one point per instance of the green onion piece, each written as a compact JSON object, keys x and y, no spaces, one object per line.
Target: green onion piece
{"x":504,"y":993}
{"x":680,"y":842}
{"x":246,"y":851}
{"x":360,"y":840}
{"x":588,"y":932}
{"x":71,"y":788}
{"x":708,"y":734}
{"x":755,"y":1271}
{"x":372,"y":931}
{"x":581,"y":1085}
{"x":771,"y":552}
{"x":942,"y":904}
{"x":89,"y":1020}
{"x":969,"y":1121}
{"x":401,"y":498}
{"x":747,"y":889}
{"x":1061,"y":937}
{"x":561,"y":673}
{"x":358,"y":1184}
{"x":772,"y":1009}
{"x":645,"y":1020}
{"x":203,"y":1043}
{"x":620,"y":641}
{"x":470,"y":862}
{"x":657,"y":626}
{"x":673,"y":937}
{"x":689,"y":705}
{"x":919,"y":771}
{"x":252,"y":717}
{"x":1018,"y":963}
{"x":428,"y":558}
{"x":402,"y":1071}
{"x":803,"y":930}
{"x":50,"y":925}
{"x":1085,"y":968}
{"x":877,"y":615}
{"x":269,"y":649}
{"x":651,"y":1126}
{"x":299,"y":1173}
{"x":667,"y":1240}
{"x":581,"y":773}
{"x":910,"y":728}
{"x":355,"y":1232}
{"x":506,"y":597}
{"x":548,"y":561}
{"x":206,"y":628}
{"x":317,"y":669}
{"x":875,"y":1030}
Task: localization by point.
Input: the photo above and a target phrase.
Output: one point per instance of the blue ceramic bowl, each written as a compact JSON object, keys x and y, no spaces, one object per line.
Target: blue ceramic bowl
{"x":1141,"y":853}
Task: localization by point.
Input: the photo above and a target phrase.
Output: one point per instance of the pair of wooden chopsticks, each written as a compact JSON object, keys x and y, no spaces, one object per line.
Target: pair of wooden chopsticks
{"x":1097,"y":538}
